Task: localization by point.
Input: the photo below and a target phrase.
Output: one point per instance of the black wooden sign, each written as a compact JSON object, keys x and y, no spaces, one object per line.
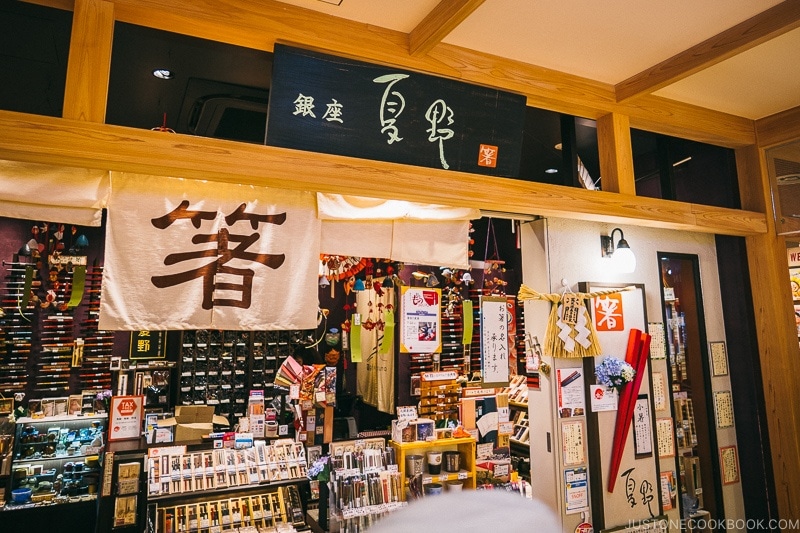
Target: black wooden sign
{"x":323,"y":103}
{"x":148,"y":345}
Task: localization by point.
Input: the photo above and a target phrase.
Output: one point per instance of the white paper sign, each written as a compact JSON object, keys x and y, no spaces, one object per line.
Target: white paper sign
{"x":494,"y":340}
{"x":604,"y":398}
{"x":576,"y":489}
{"x":571,"y":400}
{"x":420,"y":320}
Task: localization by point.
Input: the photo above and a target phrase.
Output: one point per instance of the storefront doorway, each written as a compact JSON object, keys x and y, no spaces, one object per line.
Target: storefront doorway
{"x":690,"y":382}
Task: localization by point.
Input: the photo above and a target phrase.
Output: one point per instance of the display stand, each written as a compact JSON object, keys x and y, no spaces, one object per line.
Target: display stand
{"x":466,"y":447}
{"x":57,"y":457}
{"x":518,"y":406}
{"x":202,"y":506}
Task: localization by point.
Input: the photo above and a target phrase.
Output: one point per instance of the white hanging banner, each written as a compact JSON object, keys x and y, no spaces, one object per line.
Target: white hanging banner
{"x":408,"y":232}
{"x":60,"y":194}
{"x":191,"y":254}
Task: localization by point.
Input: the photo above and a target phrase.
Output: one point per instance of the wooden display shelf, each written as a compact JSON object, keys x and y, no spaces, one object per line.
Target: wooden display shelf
{"x":466,"y":446}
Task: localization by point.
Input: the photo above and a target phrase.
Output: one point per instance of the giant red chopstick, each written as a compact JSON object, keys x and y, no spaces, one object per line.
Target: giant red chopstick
{"x":636,"y":356}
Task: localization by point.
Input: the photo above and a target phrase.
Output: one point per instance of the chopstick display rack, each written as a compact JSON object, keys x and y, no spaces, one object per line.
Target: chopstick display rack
{"x":21,"y":279}
{"x":97,"y":346}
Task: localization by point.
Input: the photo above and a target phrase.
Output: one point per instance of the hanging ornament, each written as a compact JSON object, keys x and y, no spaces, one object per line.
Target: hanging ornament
{"x":163,"y":127}
{"x":348,"y":285}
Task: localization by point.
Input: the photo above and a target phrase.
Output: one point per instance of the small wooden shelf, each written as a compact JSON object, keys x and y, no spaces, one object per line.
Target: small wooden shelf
{"x":466,"y":446}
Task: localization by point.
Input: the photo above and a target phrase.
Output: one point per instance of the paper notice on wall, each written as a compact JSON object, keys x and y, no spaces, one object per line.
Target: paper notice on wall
{"x":604,"y":398}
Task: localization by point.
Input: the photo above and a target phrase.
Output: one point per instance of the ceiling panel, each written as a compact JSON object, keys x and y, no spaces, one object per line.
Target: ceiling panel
{"x":754,"y":84}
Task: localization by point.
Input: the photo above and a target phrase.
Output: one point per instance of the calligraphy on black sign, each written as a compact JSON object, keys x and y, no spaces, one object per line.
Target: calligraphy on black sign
{"x":323,"y":103}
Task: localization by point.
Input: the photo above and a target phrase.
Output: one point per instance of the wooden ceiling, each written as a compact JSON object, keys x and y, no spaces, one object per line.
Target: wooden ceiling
{"x":738,"y":57}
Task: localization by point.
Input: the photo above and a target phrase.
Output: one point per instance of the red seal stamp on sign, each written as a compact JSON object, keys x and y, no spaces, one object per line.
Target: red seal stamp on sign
{"x":487,"y":156}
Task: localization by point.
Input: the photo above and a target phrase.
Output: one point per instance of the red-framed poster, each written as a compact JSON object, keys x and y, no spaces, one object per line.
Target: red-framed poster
{"x":125,"y":418}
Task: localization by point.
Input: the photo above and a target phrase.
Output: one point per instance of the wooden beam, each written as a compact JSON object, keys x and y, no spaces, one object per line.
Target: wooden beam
{"x":779,"y":128}
{"x":89,"y":64}
{"x":40,"y":139}
{"x":66,"y":5}
{"x":756,"y":30}
{"x":616,"y":154}
{"x":259,"y":24}
{"x":444,"y":18}
{"x":776,"y":332}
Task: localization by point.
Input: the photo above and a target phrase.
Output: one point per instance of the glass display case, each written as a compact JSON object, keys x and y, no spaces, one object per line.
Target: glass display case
{"x":57,"y":457}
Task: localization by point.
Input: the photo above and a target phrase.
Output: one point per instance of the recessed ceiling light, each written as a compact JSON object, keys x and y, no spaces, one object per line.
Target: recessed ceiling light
{"x":551,"y":171}
{"x":163,"y":74}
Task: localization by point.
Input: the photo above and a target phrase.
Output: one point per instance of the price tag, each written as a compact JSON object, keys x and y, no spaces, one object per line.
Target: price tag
{"x":501,"y":470}
{"x":485,"y":450}
{"x":462,"y":475}
{"x":283,"y":430}
{"x":443,"y":477}
{"x":391,"y":468}
{"x":294,"y":392}
{"x":426,"y":480}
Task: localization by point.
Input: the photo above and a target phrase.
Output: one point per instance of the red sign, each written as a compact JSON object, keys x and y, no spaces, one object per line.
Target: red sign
{"x":431,"y":297}
{"x":608,"y":314}
{"x":125,"y":421}
{"x":126,"y":407}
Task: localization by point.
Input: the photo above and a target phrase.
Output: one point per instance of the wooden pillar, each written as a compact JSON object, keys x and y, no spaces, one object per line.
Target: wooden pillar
{"x":776,"y":332}
{"x":89,"y":63}
{"x":616,"y":154}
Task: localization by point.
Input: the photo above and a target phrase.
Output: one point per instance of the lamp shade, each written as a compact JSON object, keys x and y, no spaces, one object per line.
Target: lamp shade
{"x":624,"y":259}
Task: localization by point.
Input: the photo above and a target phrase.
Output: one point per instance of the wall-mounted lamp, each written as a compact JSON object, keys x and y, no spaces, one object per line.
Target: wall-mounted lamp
{"x":621,"y":255}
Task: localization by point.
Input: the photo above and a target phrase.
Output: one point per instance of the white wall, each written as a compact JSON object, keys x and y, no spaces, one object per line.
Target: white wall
{"x":573,"y":250}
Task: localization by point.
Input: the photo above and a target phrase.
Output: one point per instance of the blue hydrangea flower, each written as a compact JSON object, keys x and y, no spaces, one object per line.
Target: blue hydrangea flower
{"x":613,"y":372}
